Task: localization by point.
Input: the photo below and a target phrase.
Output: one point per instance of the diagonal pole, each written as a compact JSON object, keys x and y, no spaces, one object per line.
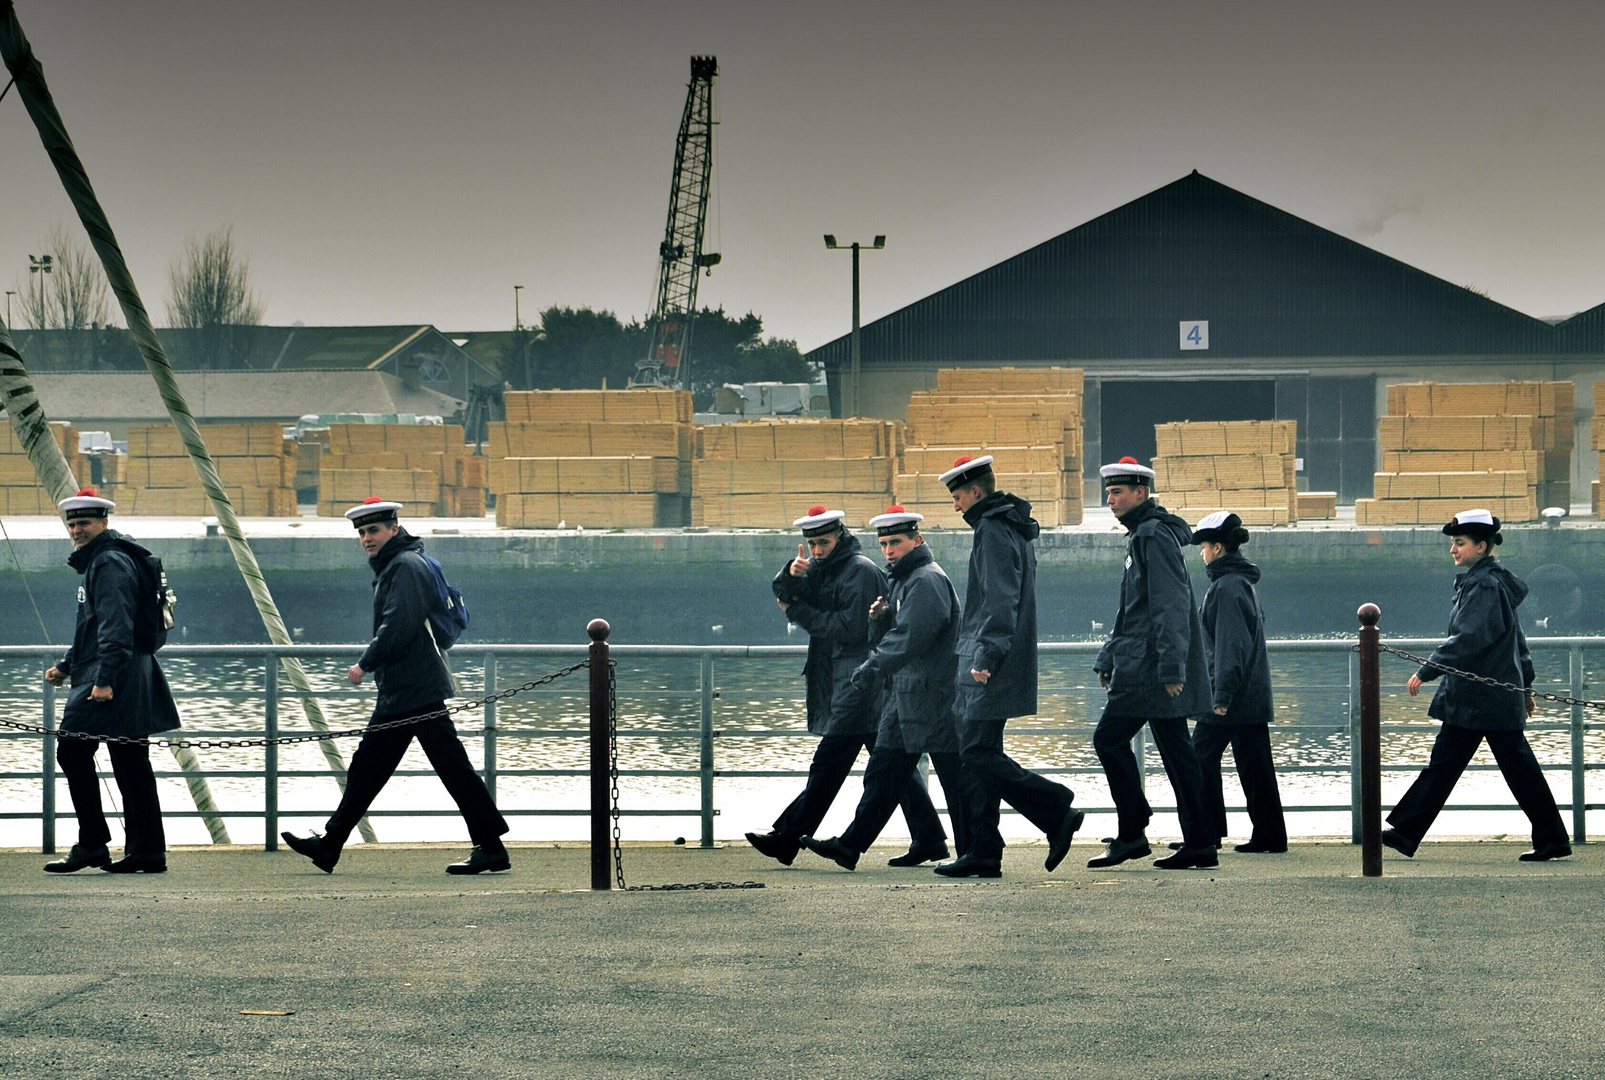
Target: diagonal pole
{"x":30,"y":80}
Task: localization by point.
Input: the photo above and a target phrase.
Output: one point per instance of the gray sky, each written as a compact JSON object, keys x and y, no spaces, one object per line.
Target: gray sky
{"x":411,"y":162}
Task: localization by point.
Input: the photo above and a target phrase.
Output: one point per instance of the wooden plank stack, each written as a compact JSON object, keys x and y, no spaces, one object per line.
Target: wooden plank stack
{"x":20,"y":493}
{"x":255,"y":461}
{"x":592,"y":458}
{"x":1245,"y":466}
{"x":1028,"y":419}
{"x":1447,"y":447}
{"x":765,"y":474}
{"x":1317,"y":505}
{"x":421,"y":465}
{"x":1597,"y":442}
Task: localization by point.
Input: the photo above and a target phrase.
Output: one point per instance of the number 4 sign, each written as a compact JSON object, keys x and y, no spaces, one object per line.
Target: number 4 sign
{"x":1195,"y":335}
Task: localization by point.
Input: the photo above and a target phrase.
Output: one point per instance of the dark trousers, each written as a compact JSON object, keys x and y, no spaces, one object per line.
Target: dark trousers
{"x":1112,"y":740}
{"x":1451,"y":753}
{"x":1251,"y":750}
{"x":996,"y":778}
{"x":833,"y":760}
{"x":890,"y":771}
{"x":380,"y":752}
{"x":142,"y":808}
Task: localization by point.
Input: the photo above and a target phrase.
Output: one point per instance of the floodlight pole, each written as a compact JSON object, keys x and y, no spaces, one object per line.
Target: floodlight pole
{"x":831,"y":245}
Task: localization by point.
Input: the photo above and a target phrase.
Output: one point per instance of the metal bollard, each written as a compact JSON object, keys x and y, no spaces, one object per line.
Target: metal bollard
{"x":601,"y":781}
{"x":1370,"y":743}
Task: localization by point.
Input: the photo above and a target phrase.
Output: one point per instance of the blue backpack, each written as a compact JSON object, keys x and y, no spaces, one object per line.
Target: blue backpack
{"x":449,"y":618}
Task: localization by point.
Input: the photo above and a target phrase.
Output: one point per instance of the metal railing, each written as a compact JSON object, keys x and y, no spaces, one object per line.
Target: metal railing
{"x":271,"y":696}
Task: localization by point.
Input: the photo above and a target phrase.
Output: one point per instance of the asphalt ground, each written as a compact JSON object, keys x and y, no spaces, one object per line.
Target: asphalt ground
{"x":1460,"y":963}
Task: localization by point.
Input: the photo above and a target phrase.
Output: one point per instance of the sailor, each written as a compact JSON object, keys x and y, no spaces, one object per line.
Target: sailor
{"x":413,"y":681}
{"x":1485,"y":644}
{"x":996,"y":673}
{"x":117,"y":691}
{"x":915,"y":627}
{"x":1240,"y":686}
{"x":827,"y":590}
{"x":1154,"y":670}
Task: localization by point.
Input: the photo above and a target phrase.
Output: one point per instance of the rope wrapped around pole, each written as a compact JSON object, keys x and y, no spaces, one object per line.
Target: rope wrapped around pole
{"x":29,"y":75}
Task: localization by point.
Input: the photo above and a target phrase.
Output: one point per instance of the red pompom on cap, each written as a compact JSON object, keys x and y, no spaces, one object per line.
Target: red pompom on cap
{"x":895,"y":509}
{"x":1129,"y":460}
{"x":89,"y":492}
{"x":815,"y":511}
{"x":371,"y":499}
{"x":965,"y":460}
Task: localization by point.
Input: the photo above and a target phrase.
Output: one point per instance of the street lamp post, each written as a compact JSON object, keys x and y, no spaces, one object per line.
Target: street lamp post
{"x":518,"y":322}
{"x":9,"y":295}
{"x":831,"y":245}
{"x":41,"y":265}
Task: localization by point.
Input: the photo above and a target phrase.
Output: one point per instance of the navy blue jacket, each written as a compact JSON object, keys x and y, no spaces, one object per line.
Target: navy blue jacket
{"x":832,"y":603}
{"x":103,"y":652}
{"x":1234,"y":644}
{"x":1485,"y":639}
{"x":409,"y":671}
{"x":998,"y":632}
{"x":1157,"y":638}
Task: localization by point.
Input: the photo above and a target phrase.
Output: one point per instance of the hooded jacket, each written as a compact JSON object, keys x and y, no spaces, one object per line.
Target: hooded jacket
{"x":832,"y":603}
{"x":1157,"y":638}
{"x":407,"y":667}
{"x":103,"y":653}
{"x":915,"y":655}
{"x":1234,"y":644}
{"x":998,"y":631}
{"x":1485,"y":639}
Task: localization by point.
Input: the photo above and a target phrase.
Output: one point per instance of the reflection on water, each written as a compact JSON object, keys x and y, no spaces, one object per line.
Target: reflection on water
{"x":758,"y":716}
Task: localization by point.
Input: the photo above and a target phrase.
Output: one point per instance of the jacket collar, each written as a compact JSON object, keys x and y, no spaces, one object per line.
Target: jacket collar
{"x":402,"y":541}
{"x":910,"y":563}
{"x":1232,"y":564}
{"x":81,"y":558}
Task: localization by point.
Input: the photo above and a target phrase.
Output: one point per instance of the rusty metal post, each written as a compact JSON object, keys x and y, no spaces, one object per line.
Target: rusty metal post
{"x":601,"y":739}
{"x":1370,"y":743}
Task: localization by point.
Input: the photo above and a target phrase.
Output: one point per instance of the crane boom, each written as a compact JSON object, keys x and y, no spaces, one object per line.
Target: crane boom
{"x":680,"y":256}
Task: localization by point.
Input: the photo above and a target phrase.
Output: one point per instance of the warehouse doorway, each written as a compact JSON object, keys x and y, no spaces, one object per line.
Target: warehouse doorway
{"x":1129,"y":410}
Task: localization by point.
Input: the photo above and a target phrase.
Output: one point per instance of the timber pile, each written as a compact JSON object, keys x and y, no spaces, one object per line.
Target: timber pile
{"x":20,"y":492}
{"x":1245,"y":466}
{"x":255,"y":462}
{"x":1447,"y":447}
{"x":593,"y":458}
{"x":425,"y":466}
{"x":1028,"y":419}
{"x":1317,"y":505}
{"x":764,"y":474}
{"x":1597,"y":441}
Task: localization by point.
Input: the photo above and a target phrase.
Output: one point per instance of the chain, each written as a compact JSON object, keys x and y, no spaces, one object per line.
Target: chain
{"x":613,"y":768}
{"x":316,"y":736}
{"x":1542,"y":695}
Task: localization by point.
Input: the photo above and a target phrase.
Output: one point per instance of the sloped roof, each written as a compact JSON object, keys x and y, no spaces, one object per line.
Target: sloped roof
{"x":1270,"y":285}
{"x":1583,"y":332}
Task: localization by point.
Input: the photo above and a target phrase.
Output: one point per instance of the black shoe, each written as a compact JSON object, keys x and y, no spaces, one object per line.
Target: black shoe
{"x":80,"y":857}
{"x":778,"y":848}
{"x":315,"y":848}
{"x":1059,"y":843}
{"x":483,"y":860}
{"x":1120,"y":851}
{"x":1543,"y":854}
{"x":1394,"y":839}
{"x":971,"y":866}
{"x":1189,"y":858}
{"x":1254,"y":847}
{"x":833,"y":849}
{"x":138,"y":864}
{"x":916,"y":854}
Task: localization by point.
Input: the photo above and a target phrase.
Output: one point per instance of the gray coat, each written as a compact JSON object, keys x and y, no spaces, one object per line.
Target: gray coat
{"x":915,"y":654}
{"x":832,"y":602}
{"x":998,"y":632}
{"x":1234,"y":644}
{"x":1157,"y":638}
{"x":1485,"y":639}
{"x":409,"y":671}
{"x":103,"y":653}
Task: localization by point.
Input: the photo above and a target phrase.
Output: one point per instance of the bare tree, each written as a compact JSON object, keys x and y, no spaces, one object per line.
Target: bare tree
{"x":211,"y":296}
{"x":71,"y":295}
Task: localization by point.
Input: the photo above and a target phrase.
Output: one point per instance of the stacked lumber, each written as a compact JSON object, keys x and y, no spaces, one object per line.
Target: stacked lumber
{"x":254,"y":460}
{"x":592,"y":458}
{"x":1028,"y":419}
{"x":1245,"y":466}
{"x":1317,"y":505}
{"x":421,"y":465}
{"x":1597,"y":442}
{"x":764,"y":474}
{"x":1450,"y":446}
{"x":20,"y":492}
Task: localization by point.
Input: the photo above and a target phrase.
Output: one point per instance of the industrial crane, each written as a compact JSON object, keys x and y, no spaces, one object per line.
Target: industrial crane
{"x":680,"y":256}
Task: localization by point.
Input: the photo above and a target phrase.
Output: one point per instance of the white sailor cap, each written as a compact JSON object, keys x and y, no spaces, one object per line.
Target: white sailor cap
{"x":1476,"y":523}
{"x":1127,"y":471}
{"x":966,"y":470}
{"x":896,"y":520}
{"x":87,"y":503}
{"x":1213,"y":528}
{"x":819,"y":521}
{"x":373,"y":508}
